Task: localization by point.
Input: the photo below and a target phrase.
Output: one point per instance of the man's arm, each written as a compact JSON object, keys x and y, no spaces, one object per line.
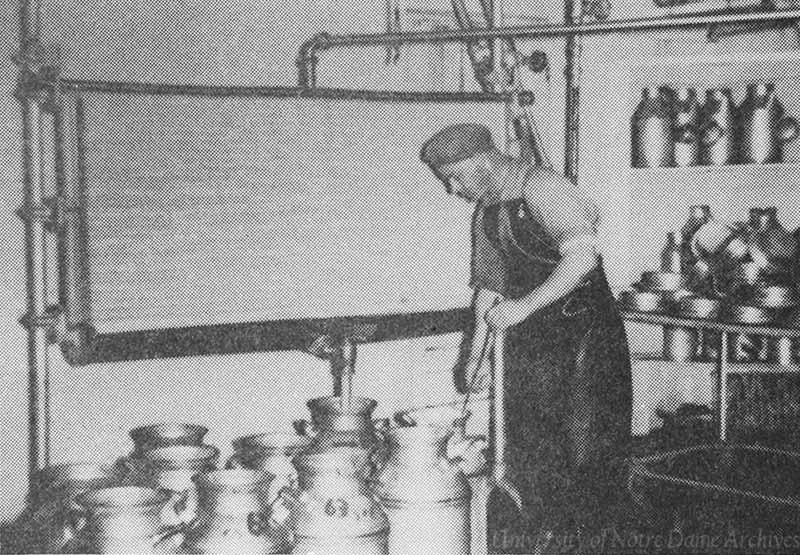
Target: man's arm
{"x":483,"y":301}
{"x":569,"y":273}
{"x":571,"y":220}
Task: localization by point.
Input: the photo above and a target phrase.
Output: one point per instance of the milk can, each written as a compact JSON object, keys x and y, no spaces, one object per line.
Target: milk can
{"x":127,"y":520}
{"x":469,"y":450}
{"x":651,"y":130}
{"x":234,"y":514}
{"x":334,"y":422}
{"x":334,"y":511}
{"x":45,"y":522}
{"x":170,"y":433}
{"x":173,"y":468}
{"x":426,"y":496}
{"x":273,"y":453}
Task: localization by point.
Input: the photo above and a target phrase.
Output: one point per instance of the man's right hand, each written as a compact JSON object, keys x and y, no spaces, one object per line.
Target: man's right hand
{"x":477,"y":379}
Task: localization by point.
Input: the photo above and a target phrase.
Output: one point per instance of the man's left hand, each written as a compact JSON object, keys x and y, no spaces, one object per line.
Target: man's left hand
{"x":506,"y":314}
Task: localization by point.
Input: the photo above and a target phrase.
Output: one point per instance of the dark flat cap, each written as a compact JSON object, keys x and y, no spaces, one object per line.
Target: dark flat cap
{"x":455,"y":143}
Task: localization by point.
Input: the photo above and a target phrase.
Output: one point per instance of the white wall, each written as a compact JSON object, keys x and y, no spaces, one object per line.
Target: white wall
{"x":246,"y":42}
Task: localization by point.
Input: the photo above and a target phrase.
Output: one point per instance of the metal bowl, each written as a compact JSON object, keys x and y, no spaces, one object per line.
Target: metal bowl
{"x":770,"y":296}
{"x":748,"y":314}
{"x":639,"y":301}
{"x":662,"y":281}
{"x":698,"y":307}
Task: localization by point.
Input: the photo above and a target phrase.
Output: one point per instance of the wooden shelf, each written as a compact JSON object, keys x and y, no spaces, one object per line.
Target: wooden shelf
{"x":693,"y":170}
{"x":699,"y":323}
{"x":653,"y":360}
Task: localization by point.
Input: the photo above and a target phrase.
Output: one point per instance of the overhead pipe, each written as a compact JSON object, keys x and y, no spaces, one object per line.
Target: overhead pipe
{"x":147,"y":89}
{"x":307,"y":57}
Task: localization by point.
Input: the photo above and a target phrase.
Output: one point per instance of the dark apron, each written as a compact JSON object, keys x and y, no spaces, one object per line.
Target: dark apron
{"x":568,"y":388}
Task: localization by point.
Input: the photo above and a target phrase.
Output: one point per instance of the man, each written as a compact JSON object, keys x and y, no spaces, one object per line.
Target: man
{"x":537,"y":275}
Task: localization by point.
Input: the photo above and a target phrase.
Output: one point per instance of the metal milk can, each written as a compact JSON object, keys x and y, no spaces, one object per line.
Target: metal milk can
{"x":46,"y":519}
{"x":469,"y":450}
{"x":234,"y":514}
{"x":425,"y":495}
{"x":334,"y":422}
{"x":718,"y":146}
{"x":272,"y":453}
{"x":651,"y":130}
{"x":686,"y":131}
{"x":173,"y":468}
{"x":162,"y":435}
{"x":334,"y":511}
{"x":763,"y":128}
{"x":127,"y":520}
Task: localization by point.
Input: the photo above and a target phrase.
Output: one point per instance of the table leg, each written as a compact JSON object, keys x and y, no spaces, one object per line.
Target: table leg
{"x":722,"y":386}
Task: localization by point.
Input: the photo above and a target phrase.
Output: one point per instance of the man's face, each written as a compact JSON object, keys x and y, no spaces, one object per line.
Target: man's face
{"x":458,"y":178}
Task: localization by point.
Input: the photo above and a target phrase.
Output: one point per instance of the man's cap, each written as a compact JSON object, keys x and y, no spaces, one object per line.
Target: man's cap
{"x":455,"y":143}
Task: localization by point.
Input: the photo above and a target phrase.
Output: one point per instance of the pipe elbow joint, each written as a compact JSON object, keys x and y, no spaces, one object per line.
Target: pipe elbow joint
{"x":309,"y":48}
{"x":307,"y":59}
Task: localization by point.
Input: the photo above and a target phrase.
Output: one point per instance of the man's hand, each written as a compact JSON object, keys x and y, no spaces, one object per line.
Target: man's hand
{"x":477,"y":379}
{"x":506,"y":314}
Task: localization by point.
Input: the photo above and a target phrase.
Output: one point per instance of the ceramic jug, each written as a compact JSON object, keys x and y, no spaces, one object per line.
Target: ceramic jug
{"x":718,"y":145}
{"x":651,"y":130}
{"x":686,"y":127}
{"x":763,"y":128}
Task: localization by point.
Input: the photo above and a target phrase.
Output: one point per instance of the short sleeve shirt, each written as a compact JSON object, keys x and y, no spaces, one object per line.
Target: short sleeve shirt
{"x":559,"y":212}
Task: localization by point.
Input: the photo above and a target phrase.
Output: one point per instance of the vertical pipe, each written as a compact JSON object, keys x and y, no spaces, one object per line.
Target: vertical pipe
{"x":572,"y":91}
{"x":35,"y":240}
{"x":29,"y":23}
{"x":36,"y":259}
{"x":722,"y":386}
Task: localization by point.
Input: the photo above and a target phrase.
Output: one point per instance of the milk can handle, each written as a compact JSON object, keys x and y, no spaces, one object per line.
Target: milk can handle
{"x":75,"y":522}
{"x":404,"y":419}
{"x":178,"y":503}
{"x":161,"y":545}
{"x":303,"y":428}
{"x":259,"y":523}
{"x":235,"y":461}
{"x":467,"y":464}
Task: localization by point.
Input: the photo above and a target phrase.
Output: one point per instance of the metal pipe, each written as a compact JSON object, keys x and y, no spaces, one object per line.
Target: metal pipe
{"x":481,"y":53}
{"x":29,"y":24}
{"x":322,"y":42}
{"x":572,"y":54}
{"x":36,"y":264}
{"x":346,"y":94}
{"x":35,"y":240}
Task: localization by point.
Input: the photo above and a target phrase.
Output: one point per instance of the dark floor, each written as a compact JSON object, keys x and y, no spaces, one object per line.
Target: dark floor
{"x":657,"y":517}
